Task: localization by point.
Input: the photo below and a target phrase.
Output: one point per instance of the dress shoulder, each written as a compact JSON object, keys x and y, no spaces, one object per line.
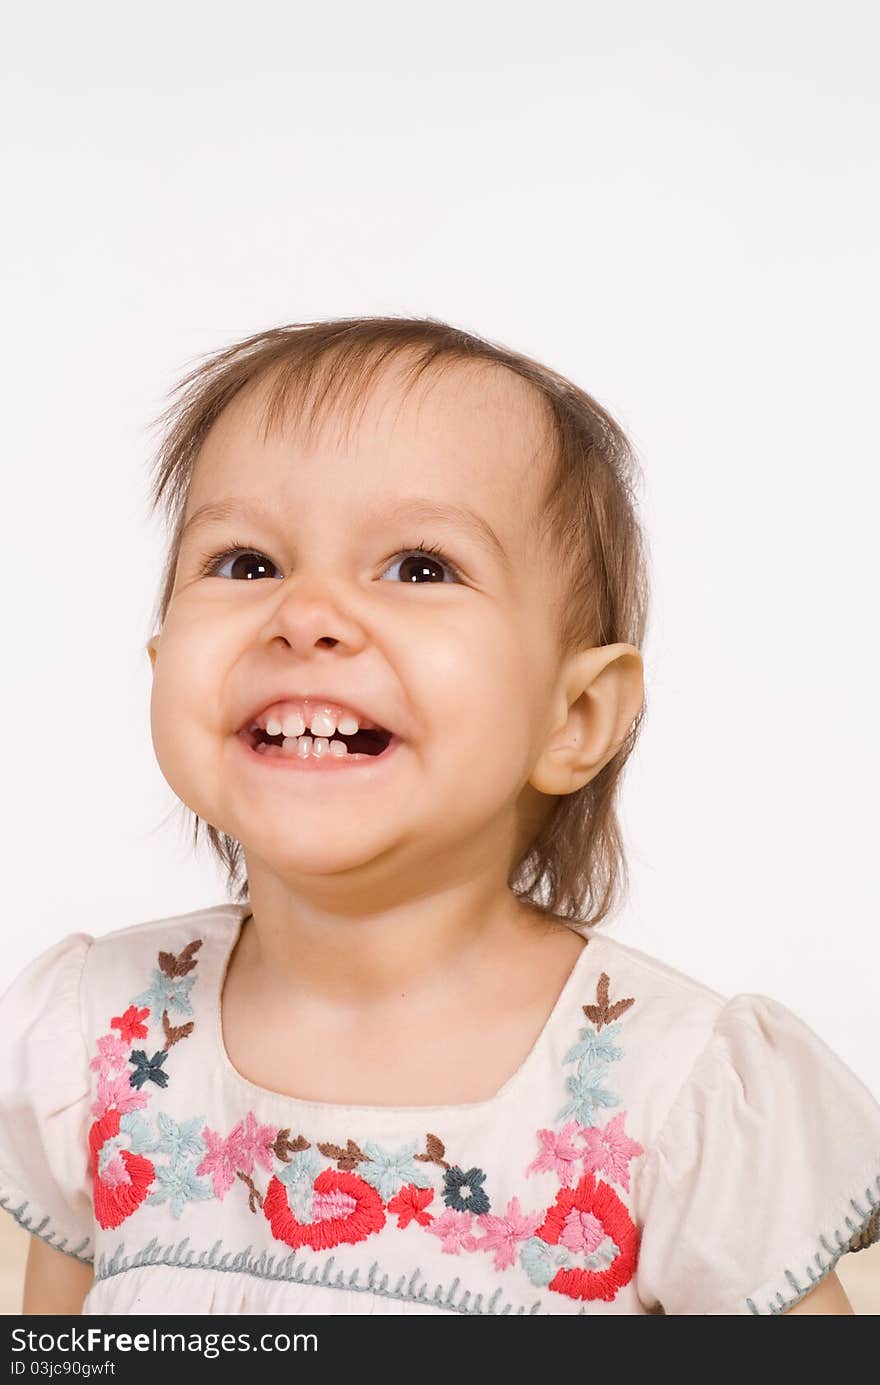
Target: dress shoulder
{"x":766,"y":1169}
{"x":67,"y":1021}
{"x":44,"y":1099}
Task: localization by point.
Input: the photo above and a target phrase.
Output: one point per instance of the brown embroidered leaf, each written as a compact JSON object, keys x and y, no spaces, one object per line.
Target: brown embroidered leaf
{"x":434,"y":1151}
{"x":284,"y":1146}
{"x":174,"y":1034}
{"x":182,"y":963}
{"x":254,"y":1195}
{"x":347,"y":1158}
{"x":619,"y":1007}
{"x":603,"y":1013}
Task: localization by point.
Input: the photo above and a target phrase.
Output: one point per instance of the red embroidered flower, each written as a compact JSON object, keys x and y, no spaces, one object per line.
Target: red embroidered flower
{"x":130,"y":1024}
{"x":347,"y":1209}
{"x":594,"y":1201}
{"x":410,"y":1203}
{"x":114,"y":1199}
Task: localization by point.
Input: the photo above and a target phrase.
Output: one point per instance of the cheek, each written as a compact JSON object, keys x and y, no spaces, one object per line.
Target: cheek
{"x":475,"y":703}
{"x":184,"y":712}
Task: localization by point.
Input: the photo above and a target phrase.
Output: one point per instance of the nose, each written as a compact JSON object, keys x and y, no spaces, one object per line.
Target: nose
{"x":306,"y":614}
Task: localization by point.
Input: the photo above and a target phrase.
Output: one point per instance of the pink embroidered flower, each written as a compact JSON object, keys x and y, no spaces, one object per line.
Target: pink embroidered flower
{"x":248,"y":1143}
{"x":559,"y":1154}
{"x":610,"y":1150}
{"x":117,"y":1093}
{"x":453,"y":1228}
{"x":220,"y":1162}
{"x":333,"y":1206}
{"x":112,"y":1055}
{"x":130,"y":1025}
{"x":581,"y":1231}
{"x":410,"y":1203}
{"x":115,"y":1173}
{"x":253,"y":1143}
{"x":502,"y":1233}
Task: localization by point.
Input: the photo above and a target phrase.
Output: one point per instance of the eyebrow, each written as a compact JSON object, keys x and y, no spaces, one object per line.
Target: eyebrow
{"x":416,"y":508}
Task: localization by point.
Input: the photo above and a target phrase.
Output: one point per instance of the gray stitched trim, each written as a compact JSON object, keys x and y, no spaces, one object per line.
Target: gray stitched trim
{"x":50,"y":1237}
{"x":288,"y":1269}
{"x":834,"y":1254}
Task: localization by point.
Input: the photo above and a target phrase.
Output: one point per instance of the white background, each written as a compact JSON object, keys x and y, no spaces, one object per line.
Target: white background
{"x":675,"y":205}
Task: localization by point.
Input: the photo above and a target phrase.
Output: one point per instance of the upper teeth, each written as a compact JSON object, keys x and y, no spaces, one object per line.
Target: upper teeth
{"x":322,"y":724}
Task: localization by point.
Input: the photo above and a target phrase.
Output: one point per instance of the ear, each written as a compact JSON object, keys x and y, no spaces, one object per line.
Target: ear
{"x":152,"y":650}
{"x":600,"y":694}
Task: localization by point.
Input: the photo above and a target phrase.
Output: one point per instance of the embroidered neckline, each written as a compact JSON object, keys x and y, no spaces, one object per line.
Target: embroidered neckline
{"x":575,"y":1238}
{"x":576,"y":981}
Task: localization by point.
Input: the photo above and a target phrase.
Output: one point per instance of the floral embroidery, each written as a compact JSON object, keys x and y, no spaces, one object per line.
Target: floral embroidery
{"x":319,"y":1195}
{"x":502,"y":1233}
{"x":453,"y":1228}
{"x":178,"y":1185}
{"x":559,"y":1154}
{"x":610,"y":1150}
{"x":179,"y":1140}
{"x":386,"y":1171}
{"x":147,"y":1069}
{"x":123,"y":1192}
{"x":463,"y":1191}
{"x":130,"y":1025}
{"x":410,"y":1203}
{"x":591,"y":1224}
{"x":355,"y":1212}
{"x":580,"y":1220}
{"x":111,"y":1056}
{"x":122,"y":1177}
{"x":117,"y":1093}
{"x":249,"y":1143}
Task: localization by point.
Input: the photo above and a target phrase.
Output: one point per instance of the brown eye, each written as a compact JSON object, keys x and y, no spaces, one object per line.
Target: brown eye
{"x":418,"y":565}
{"x":246,"y":564}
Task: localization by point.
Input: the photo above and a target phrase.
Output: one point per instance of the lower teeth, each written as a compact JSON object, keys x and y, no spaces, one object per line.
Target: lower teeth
{"x":304,"y":747}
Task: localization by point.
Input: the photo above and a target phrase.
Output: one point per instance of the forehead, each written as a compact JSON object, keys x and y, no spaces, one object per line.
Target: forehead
{"x":467,"y":433}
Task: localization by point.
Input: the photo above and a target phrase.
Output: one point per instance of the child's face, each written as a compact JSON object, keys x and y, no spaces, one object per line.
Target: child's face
{"x":463,"y":671}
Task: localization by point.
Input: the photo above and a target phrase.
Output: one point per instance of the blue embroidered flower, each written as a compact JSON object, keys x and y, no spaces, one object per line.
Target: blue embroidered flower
{"x":541,"y":1261}
{"x":141,"y":1139}
{"x":148,"y":1069}
{"x":463,"y":1192}
{"x":298,"y":1177}
{"x":178,"y":1185}
{"x":588,"y":1094}
{"x":304,"y":1166}
{"x":180,"y":1140}
{"x":388,"y":1171}
{"x":596,"y":1047}
{"x":167,"y":993}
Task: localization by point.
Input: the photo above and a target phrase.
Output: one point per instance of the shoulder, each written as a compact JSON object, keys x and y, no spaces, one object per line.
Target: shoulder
{"x":73,"y":986}
{"x":671,"y":1015}
{"x":157,"y":962}
{"x":211,"y":925}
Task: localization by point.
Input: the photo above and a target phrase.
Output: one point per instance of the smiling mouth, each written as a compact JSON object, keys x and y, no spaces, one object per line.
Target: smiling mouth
{"x":366,"y":742}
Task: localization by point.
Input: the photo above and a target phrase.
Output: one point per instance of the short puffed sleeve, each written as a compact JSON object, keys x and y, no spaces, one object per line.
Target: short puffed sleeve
{"x":765,"y":1172}
{"x":45,"y":1090}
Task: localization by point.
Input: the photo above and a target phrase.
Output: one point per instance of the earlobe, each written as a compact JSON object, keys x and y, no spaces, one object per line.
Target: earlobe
{"x":601,"y":693}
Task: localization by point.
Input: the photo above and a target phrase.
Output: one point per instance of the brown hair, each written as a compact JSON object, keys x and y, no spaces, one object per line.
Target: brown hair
{"x":588,"y":513}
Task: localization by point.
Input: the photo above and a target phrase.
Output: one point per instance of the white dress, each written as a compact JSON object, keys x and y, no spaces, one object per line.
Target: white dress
{"x":660,"y":1149}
